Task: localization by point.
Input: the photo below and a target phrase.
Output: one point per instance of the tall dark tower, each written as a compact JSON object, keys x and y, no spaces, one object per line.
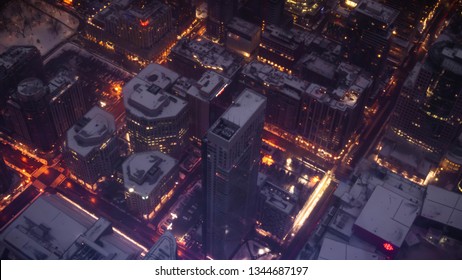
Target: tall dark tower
{"x":220,"y":12}
{"x":231,"y":159}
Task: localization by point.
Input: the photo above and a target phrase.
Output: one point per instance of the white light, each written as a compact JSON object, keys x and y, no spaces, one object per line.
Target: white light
{"x":131,"y":190}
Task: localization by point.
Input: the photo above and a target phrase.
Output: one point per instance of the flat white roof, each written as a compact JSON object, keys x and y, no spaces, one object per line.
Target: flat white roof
{"x":243,"y":107}
{"x":50,"y":227}
{"x":335,"y":250}
{"x":99,"y":126}
{"x":143,"y":171}
{"x":158,"y":75}
{"x":149,"y":101}
{"x":443,"y":206}
{"x":389,"y":214}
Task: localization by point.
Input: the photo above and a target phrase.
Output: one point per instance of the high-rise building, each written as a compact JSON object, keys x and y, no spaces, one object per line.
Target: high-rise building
{"x":91,"y":149}
{"x":372,"y":24}
{"x":16,"y":64}
{"x":206,"y":99}
{"x":220,"y":12}
{"x":41,"y":114}
{"x":428,"y":112}
{"x":273,"y":11}
{"x":242,"y":37}
{"x":149,"y":180}
{"x":140,"y":29}
{"x":183,"y":13}
{"x":231,"y":154}
{"x":6,"y":176}
{"x":156,"y":120}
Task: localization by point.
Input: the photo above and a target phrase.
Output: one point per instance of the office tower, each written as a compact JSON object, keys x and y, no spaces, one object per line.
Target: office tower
{"x":41,"y":113}
{"x":16,"y":64}
{"x":140,"y":29}
{"x":428,"y":112}
{"x":220,"y":12}
{"x":207,"y":99}
{"x":91,"y":149}
{"x":156,"y":120}
{"x":305,"y":13}
{"x":280,"y":47}
{"x":164,"y":249}
{"x":242,"y":37}
{"x":149,"y":180}
{"x":183,"y":13}
{"x":67,"y":103}
{"x":29,"y":113}
{"x":371,"y":24}
{"x":6,"y":176}
{"x":273,"y":11}
{"x":54,"y":228}
{"x":231,"y":154}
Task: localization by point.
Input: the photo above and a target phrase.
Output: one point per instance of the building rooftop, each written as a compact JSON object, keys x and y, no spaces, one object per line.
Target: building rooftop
{"x":377,"y":11}
{"x":389,"y":213}
{"x":31,"y":89}
{"x":286,"y":38}
{"x":351,"y":86}
{"x":208,"y":55}
{"x":164,"y":249}
{"x":13,"y":55}
{"x":53,"y":228}
{"x":91,"y":132}
{"x":335,"y":250}
{"x":278,"y":198}
{"x":209,"y":86}
{"x":238,"y":114}
{"x":243,"y":26}
{"x":443,"y":206}
{"x":156,"y":74}
{"x":145,"y":97}
{"x":142,"y":172}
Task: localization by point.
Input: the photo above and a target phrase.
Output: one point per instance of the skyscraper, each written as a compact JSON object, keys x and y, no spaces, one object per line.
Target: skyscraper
{"x":156,"y":120}
{"x":231,"y":156}
{"x":149,"y":180}
{"x":41,"y":113}
{"x":91,"y":149}
{"x":220,"y":12}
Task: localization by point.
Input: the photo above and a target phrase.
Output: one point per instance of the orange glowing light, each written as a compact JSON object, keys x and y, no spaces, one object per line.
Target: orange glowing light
{"x":93,"y":200}
{"x":23,"y":159}
{"x":314,"y":180}
{"x":388,"y":246}
{"x":68,"y":184}
{"x":68,"y":2}
{"x":267,"y":160}
{"x":144,"y":23}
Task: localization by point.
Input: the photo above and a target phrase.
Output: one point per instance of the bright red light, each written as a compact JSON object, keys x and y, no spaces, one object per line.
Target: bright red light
{"x":388,"y":246}
{"x":144,"y":23}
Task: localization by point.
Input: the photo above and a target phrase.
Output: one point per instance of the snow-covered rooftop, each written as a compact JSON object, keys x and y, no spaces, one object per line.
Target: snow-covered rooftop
{"x":156,"y":74}
{"x":238,"y":114}
{"x":142,"y":172}
{"x":210,"y":85}
{"x":208,"y":55}
{"x":53,"y":228}
{"x":164,"y":249}
{"x":144,"y":95}
{"x":283,"y":37}
{"x":335,"y":250}
{"x":388,"y":214}
{"x":90,"y":132}
{"x":15,"y":54}
{"x":443,"y":206}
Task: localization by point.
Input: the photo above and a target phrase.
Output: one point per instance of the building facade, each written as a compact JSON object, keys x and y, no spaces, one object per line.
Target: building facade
{"x":91,"y":148}
{"x":230,"y":162}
